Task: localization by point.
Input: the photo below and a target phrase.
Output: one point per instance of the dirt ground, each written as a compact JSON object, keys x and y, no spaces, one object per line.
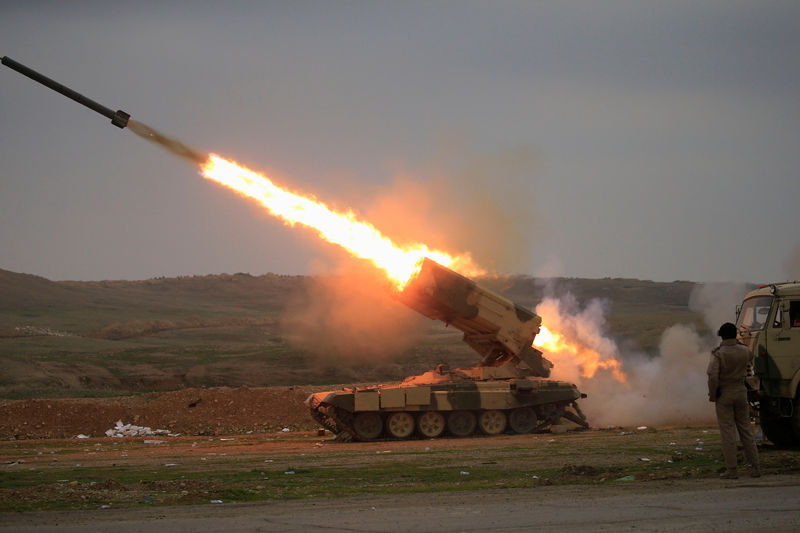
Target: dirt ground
{"x":212,"y":411}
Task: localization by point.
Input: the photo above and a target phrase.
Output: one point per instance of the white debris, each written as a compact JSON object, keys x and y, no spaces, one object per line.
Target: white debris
{"x":216,"y":501}
{"x":535,"y":476}
{"x":285,"y":430}
{"x":81,"y":436}
{"x":641,"y":428}
{"x":289,"y":472}
{"x":645,"y":459}
{"x":129,"y":430}
{"x":151,"y":441}
{"x":33,"y":331}
{"x":463,"y":473}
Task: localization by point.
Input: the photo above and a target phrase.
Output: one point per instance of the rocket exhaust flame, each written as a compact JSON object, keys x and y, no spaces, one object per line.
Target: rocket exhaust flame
{"x":589,"y":360}
{"x":360,"y":238}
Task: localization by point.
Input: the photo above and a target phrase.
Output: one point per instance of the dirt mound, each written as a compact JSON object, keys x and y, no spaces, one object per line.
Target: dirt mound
{"x":215,"y":411}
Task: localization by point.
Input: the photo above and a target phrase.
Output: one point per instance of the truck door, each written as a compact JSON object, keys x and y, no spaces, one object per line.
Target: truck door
{"x":783,"y":342}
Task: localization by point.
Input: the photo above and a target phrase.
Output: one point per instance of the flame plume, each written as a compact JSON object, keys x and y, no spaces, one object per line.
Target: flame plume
{"x":361,"y":238}
{"x":588,"y":360}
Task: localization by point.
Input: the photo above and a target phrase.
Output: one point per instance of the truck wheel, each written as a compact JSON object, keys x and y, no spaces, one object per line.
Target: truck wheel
{"x":779,"y":431}
{"x":796,"y":420}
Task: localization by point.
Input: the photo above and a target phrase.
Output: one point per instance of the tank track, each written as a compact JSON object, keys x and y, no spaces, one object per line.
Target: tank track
{"x":334,"y":420}
{"x":340,"y":422}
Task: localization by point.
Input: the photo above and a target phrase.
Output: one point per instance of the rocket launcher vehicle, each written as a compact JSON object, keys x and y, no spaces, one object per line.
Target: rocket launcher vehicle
{"x":506,"y":392}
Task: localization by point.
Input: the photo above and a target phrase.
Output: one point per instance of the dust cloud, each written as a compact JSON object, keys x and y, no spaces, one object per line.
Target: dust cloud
{"x":662,"y":389}
{"x":170,"y":144}
{"x":347,"y":317}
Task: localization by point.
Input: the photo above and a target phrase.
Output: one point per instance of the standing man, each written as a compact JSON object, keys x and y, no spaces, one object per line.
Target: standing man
{"x":726,"y":372}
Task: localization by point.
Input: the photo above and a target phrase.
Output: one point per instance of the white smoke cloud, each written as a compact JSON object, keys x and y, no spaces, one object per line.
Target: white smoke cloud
{"x":669,"y":388}
{"x":717,"y":302}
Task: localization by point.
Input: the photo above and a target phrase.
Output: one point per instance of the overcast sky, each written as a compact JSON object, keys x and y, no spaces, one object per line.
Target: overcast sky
{"x":651,"y":140}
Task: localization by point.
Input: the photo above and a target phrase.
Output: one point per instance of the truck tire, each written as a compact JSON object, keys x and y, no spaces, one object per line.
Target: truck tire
{"x":779,"y":431}
{"x":782,"y":431}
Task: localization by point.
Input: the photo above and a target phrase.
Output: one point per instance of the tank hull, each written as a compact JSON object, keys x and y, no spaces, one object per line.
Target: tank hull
{"x":461,"y":407}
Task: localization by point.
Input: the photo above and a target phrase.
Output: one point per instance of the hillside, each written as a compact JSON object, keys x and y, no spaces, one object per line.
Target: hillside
{"x":72,"y":338}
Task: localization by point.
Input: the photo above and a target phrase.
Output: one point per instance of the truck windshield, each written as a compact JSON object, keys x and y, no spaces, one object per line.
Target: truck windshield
{"x":753,"y":315}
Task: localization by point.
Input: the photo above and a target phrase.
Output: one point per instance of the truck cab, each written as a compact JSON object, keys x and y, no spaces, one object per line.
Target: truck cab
{"x":768,"y":322}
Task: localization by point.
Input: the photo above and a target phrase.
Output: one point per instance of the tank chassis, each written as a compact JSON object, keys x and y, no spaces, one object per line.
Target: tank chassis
{"x":507,"y":390}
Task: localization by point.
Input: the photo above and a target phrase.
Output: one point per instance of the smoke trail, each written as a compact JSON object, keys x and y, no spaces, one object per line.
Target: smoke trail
{"x":669,"y":388}
{"x":173,"y":146}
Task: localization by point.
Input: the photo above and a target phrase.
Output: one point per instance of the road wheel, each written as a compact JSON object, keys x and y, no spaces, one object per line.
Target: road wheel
{"x":431,"y":424}
{"x":367,"y":426}
{"x":522,"y":420}
{"x":492,"y":422}
{"x":400,"y":425}
{"x":461,"y":423}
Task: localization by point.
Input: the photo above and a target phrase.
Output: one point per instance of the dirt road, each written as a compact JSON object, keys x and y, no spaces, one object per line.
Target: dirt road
{"x":771,"y":503}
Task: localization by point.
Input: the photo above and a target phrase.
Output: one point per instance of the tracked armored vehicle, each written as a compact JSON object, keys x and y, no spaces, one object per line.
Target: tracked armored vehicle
{"x":506,"y":391}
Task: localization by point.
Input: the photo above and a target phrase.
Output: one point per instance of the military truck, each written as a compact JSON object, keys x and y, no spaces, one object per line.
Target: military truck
{"x":769,"y":324}
{"x":505,"y":391}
